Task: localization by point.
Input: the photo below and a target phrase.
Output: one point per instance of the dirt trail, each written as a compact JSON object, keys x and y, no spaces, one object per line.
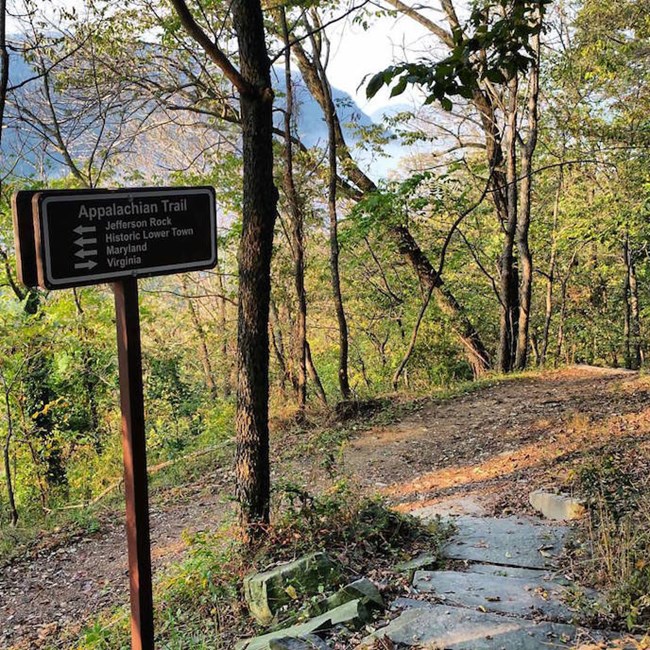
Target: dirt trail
{"x":498,"y":442}
{"x":503,"y":441}
{"x":64,"y":585}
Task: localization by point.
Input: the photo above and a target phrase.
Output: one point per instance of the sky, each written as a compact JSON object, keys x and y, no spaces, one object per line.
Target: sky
{"x":355,"y":53}
{"x":358,"y":54}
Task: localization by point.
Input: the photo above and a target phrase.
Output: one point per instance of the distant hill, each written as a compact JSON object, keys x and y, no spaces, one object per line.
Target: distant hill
{"x":22,"y":150}
{"x":311,"y":122}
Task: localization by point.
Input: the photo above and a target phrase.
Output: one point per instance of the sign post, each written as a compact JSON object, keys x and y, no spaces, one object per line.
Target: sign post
{"x":82,"y":237}
{"x":135,"y":462}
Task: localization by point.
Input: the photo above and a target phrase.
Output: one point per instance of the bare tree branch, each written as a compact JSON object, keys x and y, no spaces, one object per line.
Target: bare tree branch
{"x":212,"y":50}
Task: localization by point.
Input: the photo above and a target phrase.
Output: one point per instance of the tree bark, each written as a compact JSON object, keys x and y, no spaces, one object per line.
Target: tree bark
{"x":550,"y":277}
{"x":344,"y":383}
{"x":407,"y":246}
{"x":559,"y":346}
{"x":514,"y":295}
{"x":332,"y":122}
{"x":313,"y":373}
{"x":13,"y":511}
{"x":564,"y":285}
{"x":253,"y":82}
{"x":4,"y":63}
{"x":508,"y":283}
{"x":523,"y":218}
{"x":228,"y":367}
{"x":475,"y":351}
{"x":278,"y":345}
{"x":297,"y":234}
{"x":632,"y":334}
{"x":637,"y":347}
{"x":627,"y":329}
{"x":254,"y":260}
{"x":414,"y":337}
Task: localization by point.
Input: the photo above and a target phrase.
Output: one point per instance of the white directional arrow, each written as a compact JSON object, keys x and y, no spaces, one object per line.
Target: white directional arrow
{"x":82,"y":241}
{"x":80,"y":230}
{"x":86,"y":265}
{"x":85,"y":253}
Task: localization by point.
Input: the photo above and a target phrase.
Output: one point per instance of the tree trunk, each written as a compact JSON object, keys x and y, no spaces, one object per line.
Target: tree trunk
{"x":297,"y":235}
{"x":204,"y":353}
{"x":637,"y":348}
{"x":559,"y":346}
{"x":414,"y":337}
{"x":508,"y":283}
{"x":13,"y":511}
{"x":331,"y":120}
{"x":4,"y":63}
{"x":523,"y":218}
{"x":467,"y":334}
{"x":344,"y":383}
{"x":563,"y":308}
{"x":260,"y":197}
{"x":534,"y":346}
{"x":4,"y":81}
{"x":550,"y":277}
{"x":278,"y":345}
{"x":313,"y":373}
{"x":254,"y":260}
{"x":223,"y":321}
{"x":632,"y":334}
{"x":475,"y":351}
{"x":627,"y":356}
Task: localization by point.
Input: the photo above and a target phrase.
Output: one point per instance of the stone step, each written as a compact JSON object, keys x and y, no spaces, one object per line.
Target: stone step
{"x":309,"y":642}
{"x":351,"y":614}
{"x":517,"y":572}
{"x":528,"y":597}
{"x":511,"y":541}
{"x":431,"y":626}
{"x":267,"y":592}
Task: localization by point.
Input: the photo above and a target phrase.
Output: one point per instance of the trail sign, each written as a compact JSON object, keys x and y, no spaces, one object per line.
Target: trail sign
{"x":90,"y":237}
{"x":70,"y":238}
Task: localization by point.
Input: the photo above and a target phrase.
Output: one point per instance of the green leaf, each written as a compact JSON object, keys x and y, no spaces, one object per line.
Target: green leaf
{"x":446,"y":103}
{"x":399,"y":88}
{"x":495,"y":76}
{"x":375,"y":84}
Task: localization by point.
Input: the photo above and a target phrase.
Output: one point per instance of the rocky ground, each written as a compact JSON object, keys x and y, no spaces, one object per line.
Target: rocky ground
{"x":487,"y":449}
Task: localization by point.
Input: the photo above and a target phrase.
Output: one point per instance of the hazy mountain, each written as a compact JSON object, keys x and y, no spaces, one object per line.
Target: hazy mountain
{"x":22,"y":149}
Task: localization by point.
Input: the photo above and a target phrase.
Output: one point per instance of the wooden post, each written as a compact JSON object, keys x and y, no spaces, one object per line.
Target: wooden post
{"x":135,"y":462}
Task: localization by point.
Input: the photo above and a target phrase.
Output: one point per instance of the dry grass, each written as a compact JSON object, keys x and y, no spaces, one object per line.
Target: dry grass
{"x":615,"y":552}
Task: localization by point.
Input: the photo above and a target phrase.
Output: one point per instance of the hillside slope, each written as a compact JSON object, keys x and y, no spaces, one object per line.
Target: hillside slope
{"x":492,"y":445}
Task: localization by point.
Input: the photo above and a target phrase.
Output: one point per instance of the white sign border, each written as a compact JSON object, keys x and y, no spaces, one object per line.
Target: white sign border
{"x":132,"y":273}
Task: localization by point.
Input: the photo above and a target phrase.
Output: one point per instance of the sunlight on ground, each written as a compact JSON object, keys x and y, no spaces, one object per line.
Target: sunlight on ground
{"x":578,"y":435}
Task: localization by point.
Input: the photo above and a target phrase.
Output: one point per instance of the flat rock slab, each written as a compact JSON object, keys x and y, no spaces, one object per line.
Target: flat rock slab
{"x":310,"y":642}
{"x":524,"y":596}
{"x":511,"y":541}
{"x":266,"y":592}
{"x":559,"y":507}
{"x":454,"y":628}
{"x":470,"y":505}
{"x":519,"y":572}
{"x":352,"y":614}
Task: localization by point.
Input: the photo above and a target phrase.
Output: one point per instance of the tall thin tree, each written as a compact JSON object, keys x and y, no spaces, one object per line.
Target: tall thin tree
{"x":253,"y":82}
